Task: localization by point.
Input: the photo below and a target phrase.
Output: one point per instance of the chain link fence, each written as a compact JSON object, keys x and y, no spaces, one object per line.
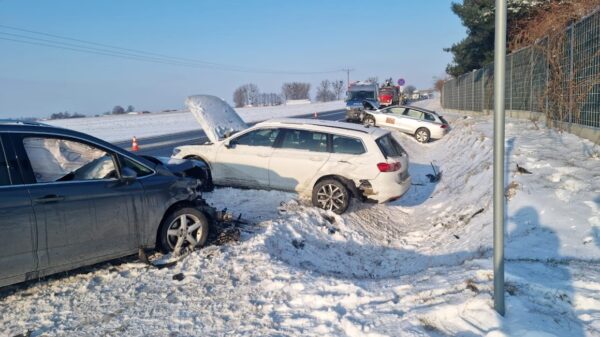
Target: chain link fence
{"x":530,"y":76}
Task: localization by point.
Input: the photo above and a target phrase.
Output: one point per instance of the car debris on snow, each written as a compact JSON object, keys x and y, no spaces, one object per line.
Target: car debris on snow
{"x":522,"y":170}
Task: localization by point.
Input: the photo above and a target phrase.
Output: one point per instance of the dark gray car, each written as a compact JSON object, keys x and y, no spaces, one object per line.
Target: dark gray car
{"x":68,"y":200}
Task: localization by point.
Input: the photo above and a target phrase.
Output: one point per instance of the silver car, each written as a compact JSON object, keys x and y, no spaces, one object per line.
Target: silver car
{"x":423,"y":124}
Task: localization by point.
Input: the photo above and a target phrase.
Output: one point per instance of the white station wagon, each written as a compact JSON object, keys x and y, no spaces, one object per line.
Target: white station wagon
{"x":422,"y":123}
{"x":330,"y":162}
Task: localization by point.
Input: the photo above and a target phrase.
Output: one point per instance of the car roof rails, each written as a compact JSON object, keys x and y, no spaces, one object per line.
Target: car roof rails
{"x":22,"y":122}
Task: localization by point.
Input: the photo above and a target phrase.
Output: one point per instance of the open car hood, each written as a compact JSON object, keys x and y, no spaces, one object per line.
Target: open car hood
{"x":215,"y":116}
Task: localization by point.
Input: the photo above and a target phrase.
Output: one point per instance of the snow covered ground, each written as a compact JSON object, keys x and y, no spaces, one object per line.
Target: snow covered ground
{"x":420,"y":266}
{"x":122,"y":127}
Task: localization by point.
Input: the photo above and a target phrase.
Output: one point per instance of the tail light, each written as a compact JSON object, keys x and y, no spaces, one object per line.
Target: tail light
{"x":389,"y":167}
{"x":444,"y":126}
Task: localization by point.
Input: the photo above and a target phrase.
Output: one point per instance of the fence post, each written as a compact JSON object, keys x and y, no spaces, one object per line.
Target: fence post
{"x":458,"y":94}
{"x":547,"y":89}
{"x":510,"y":93}
{"x":483,"y":89}
{"x":571,"y":77}
{"x":473,"y":90}
{"x":531,"y":79}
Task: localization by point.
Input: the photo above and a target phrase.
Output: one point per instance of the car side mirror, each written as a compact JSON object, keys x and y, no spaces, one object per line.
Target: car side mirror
{"x":229,"y":143}
{"x":128,"y":174}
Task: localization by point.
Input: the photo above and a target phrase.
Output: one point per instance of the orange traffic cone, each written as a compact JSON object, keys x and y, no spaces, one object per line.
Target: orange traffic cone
{"x":134,"y":144}
{"x":315,"y":115}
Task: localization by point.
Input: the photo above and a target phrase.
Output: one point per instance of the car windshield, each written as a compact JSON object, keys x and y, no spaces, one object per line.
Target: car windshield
{"x":358,"y":95}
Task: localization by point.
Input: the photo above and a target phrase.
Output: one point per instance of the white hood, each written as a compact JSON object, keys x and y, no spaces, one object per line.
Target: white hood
{"x":215,"y":116}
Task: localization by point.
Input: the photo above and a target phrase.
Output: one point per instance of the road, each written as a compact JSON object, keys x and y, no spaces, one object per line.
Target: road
{"x":163,"y":145}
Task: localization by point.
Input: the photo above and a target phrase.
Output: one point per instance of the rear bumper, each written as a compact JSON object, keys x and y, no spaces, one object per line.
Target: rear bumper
{"x":438,"y":133}
{"x":388,"y":187}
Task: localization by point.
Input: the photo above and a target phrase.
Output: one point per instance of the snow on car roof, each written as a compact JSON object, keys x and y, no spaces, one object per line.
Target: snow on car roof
{"x":327,"y":124}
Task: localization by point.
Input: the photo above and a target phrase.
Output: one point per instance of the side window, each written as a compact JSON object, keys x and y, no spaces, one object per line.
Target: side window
{"x":429,"y":117}
{"x":347,"y":145}
{"x":413,"y":113}
{"x":262,"y":137}
{"x":305,"y":140}
{"x":397,"y":111}
{"x":4,"y":175}
{"x":139,"y":169}
{"x":56,"y":159}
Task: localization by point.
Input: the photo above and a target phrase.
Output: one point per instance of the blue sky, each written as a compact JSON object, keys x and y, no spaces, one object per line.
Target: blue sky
{"x":397,"y":38}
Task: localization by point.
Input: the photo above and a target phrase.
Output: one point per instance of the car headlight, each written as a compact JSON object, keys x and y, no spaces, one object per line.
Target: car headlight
{"x":175,"y":152}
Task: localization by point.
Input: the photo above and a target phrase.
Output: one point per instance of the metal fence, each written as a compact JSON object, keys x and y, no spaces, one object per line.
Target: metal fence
{"x":528,"y":74}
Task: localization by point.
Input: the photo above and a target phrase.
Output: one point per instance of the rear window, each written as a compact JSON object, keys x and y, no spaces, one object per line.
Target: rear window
{"x":4,"y":177}
{"x":389,"y":146}
{"x":347,"y":145}
{"x":443,"y":120}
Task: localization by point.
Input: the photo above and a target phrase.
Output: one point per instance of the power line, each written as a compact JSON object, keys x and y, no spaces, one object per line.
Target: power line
{"x":133,"y":54}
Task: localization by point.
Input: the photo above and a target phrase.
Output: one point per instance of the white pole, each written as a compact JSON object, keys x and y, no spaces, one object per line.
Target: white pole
{"x":499,"y":203}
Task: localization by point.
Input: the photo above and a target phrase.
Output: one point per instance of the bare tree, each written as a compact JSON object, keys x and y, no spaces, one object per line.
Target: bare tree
{"x":324,"y":92}
{"x":253,"y":93}
{"x":247,"y":94}
{"x":338,"y":88}
{"x":130,"y":108}
{"x":240,"y":96}
{"x":295,"y":90}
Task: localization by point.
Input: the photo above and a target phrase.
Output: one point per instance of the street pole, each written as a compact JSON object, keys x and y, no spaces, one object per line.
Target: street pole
{"x":348,"y":70}
{"x":499,"y":203}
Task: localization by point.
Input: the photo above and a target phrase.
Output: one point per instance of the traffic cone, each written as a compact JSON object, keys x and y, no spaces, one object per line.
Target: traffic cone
{"x":134,"y":144}
{"x":315,"y":116}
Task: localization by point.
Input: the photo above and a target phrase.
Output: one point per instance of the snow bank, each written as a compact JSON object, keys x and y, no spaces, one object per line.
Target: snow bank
{"x":122,"y":127}
{"x":418,"y":266}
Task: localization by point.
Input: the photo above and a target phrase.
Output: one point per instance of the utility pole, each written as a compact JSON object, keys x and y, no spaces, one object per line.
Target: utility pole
{"x":348,"y":70}
{"x":499,"y":202}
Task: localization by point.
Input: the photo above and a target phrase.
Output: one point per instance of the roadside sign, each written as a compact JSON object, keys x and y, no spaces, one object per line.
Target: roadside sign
{"x":401,"y":82}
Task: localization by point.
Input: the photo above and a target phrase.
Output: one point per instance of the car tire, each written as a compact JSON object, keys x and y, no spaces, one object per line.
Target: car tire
{"x":331,"y":194}
{"x":170,"y":229}
{"x":422,"y":135}
{"x":369,"y":121}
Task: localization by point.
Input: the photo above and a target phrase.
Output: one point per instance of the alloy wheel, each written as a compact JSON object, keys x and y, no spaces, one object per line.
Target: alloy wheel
{"x":185,"y":230}
{"x":422,"y":136}
{"x":330,"y":197}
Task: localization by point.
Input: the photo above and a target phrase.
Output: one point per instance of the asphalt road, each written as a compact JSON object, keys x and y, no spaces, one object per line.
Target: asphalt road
{"x":163,"y":145}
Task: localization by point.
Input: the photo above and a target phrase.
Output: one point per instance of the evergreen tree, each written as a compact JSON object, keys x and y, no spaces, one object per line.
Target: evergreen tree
{"x":477,"y":49}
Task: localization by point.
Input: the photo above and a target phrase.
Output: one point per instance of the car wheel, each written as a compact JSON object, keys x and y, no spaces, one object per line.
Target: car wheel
{"x":422,"y":135}
{"x":183,"y":228}
{"x":369,"y":120}
{"x":330,"y":194}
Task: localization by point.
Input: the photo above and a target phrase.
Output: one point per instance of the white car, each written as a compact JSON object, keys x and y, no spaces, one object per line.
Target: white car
{"x":422,"y":123}
{"x":330,"y":162}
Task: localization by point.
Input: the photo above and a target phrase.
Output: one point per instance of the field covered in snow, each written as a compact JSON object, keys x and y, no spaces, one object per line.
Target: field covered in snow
{"x":420,"y":266}
{"x":115,"y":128}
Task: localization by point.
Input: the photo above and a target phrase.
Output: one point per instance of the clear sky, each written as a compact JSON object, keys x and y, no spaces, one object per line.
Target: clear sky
{"x":395,"y":38}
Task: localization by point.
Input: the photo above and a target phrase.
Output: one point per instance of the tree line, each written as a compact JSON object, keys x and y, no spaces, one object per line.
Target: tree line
{"x":250,"y":95}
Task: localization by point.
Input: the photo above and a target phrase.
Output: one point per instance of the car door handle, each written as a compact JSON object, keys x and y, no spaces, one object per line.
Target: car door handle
{"x":343,"y":161}
{"x":316,"y":158}
{"x":263,"y":155}
{"x":49,"y":198}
